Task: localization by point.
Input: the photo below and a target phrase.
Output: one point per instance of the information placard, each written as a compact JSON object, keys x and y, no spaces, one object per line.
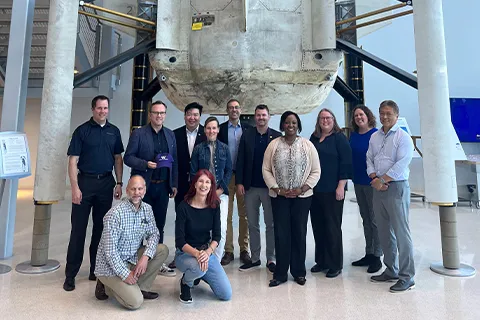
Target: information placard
{"x":14,"y":155}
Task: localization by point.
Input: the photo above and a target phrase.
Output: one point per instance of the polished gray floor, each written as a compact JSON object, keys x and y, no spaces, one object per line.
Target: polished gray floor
{"x":349,"y":296}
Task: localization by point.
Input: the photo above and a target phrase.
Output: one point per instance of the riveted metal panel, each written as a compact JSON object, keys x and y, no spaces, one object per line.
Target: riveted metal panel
{"x":282,"y":5}
{"x":210,"y":5}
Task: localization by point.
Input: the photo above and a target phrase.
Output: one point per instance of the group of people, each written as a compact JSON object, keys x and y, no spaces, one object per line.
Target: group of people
{"x":204,"y":168}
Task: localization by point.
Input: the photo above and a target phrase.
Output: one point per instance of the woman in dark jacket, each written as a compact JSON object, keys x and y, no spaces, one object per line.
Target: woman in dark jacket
{"x":329,"y":193}
{"x":213,"y":155}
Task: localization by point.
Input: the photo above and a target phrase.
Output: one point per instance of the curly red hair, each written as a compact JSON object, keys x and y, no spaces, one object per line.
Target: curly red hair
{"x":212,"y":199}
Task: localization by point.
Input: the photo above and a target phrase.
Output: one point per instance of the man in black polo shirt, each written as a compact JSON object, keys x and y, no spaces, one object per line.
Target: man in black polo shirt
{"x":95,"y":148}
{"x":152,"y":153}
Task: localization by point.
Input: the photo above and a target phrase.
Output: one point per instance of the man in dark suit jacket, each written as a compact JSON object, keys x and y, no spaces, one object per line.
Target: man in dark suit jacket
{"x":152,"y":154}
{"x":187,"y":137}
{"x":230,"y":133}
{"x":249,"y":180}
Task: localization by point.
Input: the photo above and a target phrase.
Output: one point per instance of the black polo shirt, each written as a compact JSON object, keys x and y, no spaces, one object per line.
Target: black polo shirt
{"x":160,"y":145}
{"x":261,"y":143}
{"x":96,"y":147}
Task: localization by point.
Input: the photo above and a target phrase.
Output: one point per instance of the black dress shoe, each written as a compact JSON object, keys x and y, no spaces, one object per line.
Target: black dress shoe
{"x":300,"y":280}
{"x":375,"y":265}
{"x":318,"y":268}
{"x":92,"y":277}
{"x":69,"y":284}
{"x":148,"y":295}
{"x":275,"y":282}
{"x":333,"y":273}
{"x":364,"y":262}
{"x":100,"y":291}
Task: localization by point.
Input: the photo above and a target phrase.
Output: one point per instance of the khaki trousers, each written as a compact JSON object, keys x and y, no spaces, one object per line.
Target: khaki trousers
{"x":243,"y":238}
{"x":130,"y":296}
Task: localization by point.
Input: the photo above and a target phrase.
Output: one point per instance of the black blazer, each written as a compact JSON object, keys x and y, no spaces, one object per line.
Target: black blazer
{"x":184,"y":159}
{"x":223,"y":134}
{"x":245,"y":155}
{"x":140,"y":150}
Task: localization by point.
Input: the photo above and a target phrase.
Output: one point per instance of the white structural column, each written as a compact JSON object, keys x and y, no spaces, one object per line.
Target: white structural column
{"x":13,"y":110}
{"x":323,"y":25}
{"x":437,"y":142}
{"x":168,"y":24}
{"x":50,"y":177}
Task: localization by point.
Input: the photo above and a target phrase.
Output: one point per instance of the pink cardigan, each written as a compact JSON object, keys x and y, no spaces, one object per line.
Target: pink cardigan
{"x":312,"y":171}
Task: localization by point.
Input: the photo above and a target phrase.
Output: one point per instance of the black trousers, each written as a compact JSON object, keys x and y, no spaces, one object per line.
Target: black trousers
{"x":181,"y":192}
{"x":97,"y":197}
{"x":157,"y":197}
{"x":290,"y":218}
{"x":326,"y":216}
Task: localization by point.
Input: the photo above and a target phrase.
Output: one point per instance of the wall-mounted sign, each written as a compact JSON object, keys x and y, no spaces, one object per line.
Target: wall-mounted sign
{"x":14,"y":155}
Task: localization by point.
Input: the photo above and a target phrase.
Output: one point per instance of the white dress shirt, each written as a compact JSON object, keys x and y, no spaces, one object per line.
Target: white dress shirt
{"x":191,"y":137}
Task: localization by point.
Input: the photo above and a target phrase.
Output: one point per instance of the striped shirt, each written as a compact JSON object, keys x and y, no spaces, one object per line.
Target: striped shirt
{"x":124,"y":230}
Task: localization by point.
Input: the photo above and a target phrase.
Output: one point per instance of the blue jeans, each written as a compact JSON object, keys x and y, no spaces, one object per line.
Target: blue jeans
{"x":215,"y":276}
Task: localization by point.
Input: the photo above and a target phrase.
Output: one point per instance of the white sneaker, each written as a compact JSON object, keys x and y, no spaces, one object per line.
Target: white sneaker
{"x":166,"y":271}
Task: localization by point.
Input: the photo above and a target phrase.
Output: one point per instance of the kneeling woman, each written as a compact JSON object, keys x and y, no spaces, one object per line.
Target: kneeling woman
{"x":197,"y":234}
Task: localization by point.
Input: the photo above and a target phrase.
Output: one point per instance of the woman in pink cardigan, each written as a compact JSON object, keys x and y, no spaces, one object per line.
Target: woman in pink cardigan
{"x":291,"y":168}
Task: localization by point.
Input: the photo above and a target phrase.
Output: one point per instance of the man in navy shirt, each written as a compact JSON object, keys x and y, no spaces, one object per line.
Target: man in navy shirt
{"x":152,"y":153}
{"x":95,"y":148}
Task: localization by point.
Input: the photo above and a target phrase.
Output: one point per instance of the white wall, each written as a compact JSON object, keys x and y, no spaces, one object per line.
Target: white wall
{"x":396,"y":44}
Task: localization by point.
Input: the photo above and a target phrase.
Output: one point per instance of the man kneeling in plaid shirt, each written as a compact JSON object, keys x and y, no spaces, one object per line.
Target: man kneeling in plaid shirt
{"x":125,"y":268}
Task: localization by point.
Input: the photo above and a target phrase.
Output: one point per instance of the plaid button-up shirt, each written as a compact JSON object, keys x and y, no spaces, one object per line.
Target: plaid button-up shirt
{"x":124,"y":230}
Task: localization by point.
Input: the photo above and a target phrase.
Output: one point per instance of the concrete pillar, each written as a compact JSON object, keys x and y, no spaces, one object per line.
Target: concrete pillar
{"x":323,"y":25}
{"x":55,"y":119}
{"x":13,"y":110}
{"x":438,"y":155}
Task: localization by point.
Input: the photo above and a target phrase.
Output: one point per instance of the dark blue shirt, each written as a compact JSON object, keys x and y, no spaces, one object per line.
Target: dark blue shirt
{"x":95,"y":146}
{"x":359,"y":144}
{"x":160,"y":145}
{"x":335,"y":161}
{"x":261,"y":142}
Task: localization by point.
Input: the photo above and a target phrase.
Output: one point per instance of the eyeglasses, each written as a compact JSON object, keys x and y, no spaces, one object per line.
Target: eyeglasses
{"x":156,"y":113}
{"x":388,"y":115}
{"x":326,"y":118}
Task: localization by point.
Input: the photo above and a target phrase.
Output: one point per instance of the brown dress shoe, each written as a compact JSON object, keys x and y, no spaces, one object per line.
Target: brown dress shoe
{"x":100,"y":291}
{"x":245,"y":257}
{"x":227,"y":258}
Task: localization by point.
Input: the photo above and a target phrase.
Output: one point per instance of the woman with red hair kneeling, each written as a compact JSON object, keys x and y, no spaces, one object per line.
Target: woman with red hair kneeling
{"x":197,"y":234}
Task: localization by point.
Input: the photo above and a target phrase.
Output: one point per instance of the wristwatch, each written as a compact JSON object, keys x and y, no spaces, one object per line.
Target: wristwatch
{"x":120,"y":184}
{"x":382,"y":180}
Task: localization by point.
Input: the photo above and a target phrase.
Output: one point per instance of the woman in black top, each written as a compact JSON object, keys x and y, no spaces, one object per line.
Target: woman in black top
{"x":197,"y":234}
{"x":329,"y":193}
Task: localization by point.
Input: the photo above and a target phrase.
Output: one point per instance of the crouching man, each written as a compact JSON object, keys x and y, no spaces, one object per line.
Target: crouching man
{"x":125,"y":268}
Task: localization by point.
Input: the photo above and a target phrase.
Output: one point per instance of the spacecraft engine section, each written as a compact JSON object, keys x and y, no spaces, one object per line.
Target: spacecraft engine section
{"x":258,"y":51}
